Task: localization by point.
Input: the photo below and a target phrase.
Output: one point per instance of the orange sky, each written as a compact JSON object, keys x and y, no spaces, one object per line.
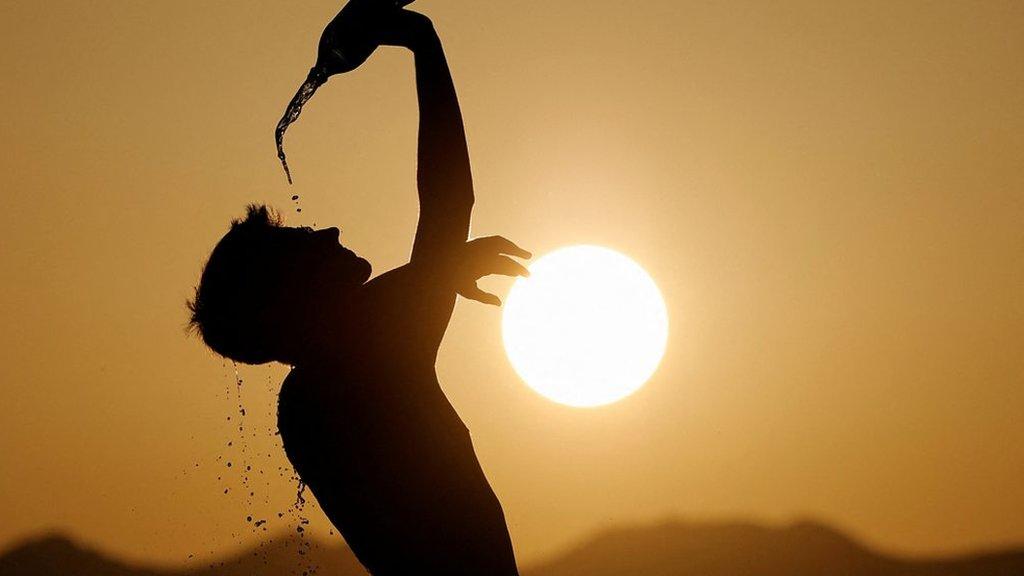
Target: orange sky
{"x":830,"y":197}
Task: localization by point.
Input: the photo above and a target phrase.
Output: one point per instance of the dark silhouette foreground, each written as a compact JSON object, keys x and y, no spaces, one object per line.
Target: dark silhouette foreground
{"x":361,"y":414}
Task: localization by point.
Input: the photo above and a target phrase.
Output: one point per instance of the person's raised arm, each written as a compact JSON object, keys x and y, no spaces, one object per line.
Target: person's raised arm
{"x":443,"y":175}
{"x":443,"y":263}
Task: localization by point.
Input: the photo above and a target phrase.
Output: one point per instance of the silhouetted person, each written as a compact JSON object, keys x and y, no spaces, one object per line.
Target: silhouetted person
{"x":361,"y":414}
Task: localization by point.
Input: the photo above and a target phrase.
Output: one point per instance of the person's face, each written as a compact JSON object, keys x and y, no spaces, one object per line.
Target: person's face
{"x":318,"y":258}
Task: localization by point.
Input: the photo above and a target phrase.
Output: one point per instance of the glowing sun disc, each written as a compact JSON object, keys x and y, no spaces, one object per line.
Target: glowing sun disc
{"x":587,"y":328}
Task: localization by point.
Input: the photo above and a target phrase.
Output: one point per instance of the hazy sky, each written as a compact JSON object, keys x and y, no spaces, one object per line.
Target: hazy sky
{"x":829,"y":195}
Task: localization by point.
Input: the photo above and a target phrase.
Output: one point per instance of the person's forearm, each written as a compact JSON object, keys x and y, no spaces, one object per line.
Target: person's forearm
{"x":443,"y":173}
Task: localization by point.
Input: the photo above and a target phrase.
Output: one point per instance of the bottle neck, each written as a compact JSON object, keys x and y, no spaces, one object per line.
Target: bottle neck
{"x":318,"y":74}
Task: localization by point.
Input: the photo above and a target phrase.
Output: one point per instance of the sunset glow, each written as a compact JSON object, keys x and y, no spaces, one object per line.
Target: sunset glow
{"x":587,"y":328}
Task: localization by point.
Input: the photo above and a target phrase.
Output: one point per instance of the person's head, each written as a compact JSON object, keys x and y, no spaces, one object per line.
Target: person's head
{"x":264,"y":284}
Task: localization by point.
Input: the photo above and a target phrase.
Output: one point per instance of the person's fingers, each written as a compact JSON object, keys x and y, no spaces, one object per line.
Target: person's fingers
{"x":474,"y":293}
{"x":507,"y":267}
{"x":502,"y":245}
{"x":394,"y":26}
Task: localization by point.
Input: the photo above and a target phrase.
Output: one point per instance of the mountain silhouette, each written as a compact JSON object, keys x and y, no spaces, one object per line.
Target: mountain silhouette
{"x":57,"y":555}
{"x":673,"y":548}
{"x":744,"y":549}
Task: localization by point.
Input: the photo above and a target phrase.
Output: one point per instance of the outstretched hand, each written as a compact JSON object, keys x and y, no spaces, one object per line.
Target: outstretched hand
{"x":484,"y":257}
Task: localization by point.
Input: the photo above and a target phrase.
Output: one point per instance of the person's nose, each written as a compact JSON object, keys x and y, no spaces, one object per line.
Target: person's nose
{"x":329,"y":234}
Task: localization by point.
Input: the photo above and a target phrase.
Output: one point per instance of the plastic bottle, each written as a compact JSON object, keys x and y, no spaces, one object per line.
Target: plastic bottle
{"x":345,"y":44}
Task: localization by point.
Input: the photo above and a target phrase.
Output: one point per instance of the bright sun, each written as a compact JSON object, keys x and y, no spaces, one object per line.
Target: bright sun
{"x":587,"y":328}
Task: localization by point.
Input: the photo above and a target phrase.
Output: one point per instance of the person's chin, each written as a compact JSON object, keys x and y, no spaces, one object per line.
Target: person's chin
{"x":366,"y":270}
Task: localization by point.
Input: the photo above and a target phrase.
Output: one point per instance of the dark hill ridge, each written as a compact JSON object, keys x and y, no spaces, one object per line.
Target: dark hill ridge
{"x":56,"y":555}
{"x":671,"y":548}
{"x":743,"y":549}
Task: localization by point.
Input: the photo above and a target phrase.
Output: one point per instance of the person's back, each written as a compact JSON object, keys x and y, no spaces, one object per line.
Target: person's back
{"x":362,"y":416}
{"x":394,"y":471}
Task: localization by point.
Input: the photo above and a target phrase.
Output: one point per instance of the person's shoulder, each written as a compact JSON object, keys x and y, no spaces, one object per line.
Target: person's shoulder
{"x":298,"y":391}
{"x":301,"y":402}
{"x":301,"y":380}
{"x":308,"y":387}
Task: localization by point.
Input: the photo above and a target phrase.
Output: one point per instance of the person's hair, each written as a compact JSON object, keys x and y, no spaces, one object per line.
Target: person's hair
{"x":236,"y":307}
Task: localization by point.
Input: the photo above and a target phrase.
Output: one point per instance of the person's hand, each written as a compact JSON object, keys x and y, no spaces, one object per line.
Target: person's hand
{"x":400,"y":27}
{"x":484,"y":257}
{"x":363,"y":25}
